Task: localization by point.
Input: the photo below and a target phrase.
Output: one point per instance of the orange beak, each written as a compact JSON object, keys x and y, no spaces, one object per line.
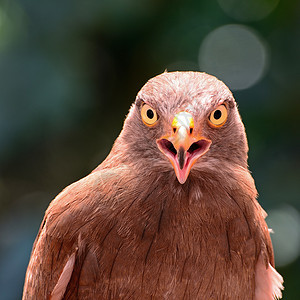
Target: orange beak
{"x":183,"y":148}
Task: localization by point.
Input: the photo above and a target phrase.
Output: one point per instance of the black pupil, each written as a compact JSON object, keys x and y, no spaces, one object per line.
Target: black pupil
{"x":217,"y":114}
{"x":150,"y":114}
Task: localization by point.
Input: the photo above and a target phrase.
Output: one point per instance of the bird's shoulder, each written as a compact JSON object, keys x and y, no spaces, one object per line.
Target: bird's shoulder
{"x":64,"y":243}
{"x":92,"y":195}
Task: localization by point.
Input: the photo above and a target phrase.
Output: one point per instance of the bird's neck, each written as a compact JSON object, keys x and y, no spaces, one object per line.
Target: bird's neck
{"x":204,"y":192}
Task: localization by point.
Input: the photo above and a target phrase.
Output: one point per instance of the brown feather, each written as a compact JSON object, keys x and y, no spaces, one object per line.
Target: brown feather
{"x":140,"y":234}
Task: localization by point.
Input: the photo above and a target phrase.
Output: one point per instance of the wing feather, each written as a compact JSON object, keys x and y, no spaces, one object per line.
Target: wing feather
{"x":63,"y":260}
{"x":63,"y":281}
{"x":268,"y":282}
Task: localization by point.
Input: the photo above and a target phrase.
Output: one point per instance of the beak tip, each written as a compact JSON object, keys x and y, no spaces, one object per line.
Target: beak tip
{"x":181,"y":179}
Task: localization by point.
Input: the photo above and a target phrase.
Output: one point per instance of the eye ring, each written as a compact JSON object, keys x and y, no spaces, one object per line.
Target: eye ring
{"x":218,"y":116}
{"x":149,"y":115}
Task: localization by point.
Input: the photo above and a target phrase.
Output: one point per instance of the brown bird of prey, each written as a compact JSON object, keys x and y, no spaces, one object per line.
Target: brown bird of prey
{"x":171,"y":213}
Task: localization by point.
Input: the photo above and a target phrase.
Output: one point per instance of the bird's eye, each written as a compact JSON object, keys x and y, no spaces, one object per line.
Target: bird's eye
{"x":149,"y":115}
{"x":218,"y":116}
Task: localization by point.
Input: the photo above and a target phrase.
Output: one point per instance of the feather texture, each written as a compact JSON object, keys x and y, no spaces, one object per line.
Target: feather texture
{"x":268,"y":282}
{"x":130,"y":230}
{"x":61,"y":285}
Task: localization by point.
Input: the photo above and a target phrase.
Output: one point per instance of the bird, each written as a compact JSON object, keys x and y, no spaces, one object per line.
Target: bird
{"x":171,"y":213}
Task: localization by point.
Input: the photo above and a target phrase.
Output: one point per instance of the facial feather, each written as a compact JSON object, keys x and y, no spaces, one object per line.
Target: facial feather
{"x":198,"y":94}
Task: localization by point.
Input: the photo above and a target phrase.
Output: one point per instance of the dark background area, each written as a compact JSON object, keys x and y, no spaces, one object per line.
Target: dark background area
{"x":69,"y":71}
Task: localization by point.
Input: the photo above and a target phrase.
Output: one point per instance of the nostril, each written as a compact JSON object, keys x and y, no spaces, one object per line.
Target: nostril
{"x":174,"y":129}
{"x":191,"y":130}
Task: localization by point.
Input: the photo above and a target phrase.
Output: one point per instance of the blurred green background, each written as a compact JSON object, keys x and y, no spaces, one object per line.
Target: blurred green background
{"x":69,"y":71}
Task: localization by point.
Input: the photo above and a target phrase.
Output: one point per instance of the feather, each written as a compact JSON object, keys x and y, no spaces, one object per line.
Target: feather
{"x":63,"y":281}
{"x":105,"y":235}
{"x":268,"y":282}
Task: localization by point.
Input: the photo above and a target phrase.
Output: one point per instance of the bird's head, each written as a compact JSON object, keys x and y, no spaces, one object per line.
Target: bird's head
{"x":185,"y":121}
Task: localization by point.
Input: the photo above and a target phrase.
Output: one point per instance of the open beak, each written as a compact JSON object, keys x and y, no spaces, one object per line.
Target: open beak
{"x":183,"y":148}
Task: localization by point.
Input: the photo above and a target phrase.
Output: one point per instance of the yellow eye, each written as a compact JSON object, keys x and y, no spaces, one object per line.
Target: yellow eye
{"x":149,"y":115}
{"x":218,"y":117}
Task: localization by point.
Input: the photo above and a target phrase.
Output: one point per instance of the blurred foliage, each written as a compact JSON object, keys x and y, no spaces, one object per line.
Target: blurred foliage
{"x":69,"y":71}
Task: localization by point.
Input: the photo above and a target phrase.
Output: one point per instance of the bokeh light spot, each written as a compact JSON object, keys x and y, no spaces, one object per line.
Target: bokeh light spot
{"x":285,"y":223}
{"x":235,"y":54}
{"x":248,"y":10}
